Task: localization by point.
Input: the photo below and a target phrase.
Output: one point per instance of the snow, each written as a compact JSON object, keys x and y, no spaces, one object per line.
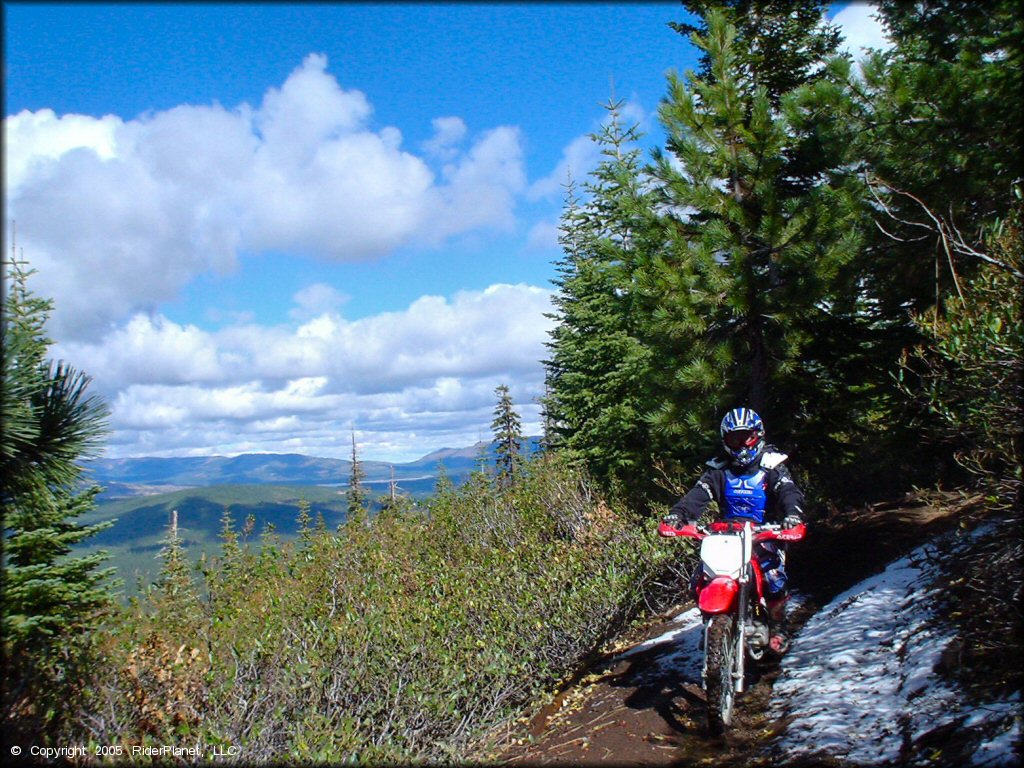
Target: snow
{"x":679,"y":655}
{"x":859,"y":681}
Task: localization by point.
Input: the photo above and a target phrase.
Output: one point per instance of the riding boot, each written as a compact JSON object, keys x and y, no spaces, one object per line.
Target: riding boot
{"x":778,"y":633}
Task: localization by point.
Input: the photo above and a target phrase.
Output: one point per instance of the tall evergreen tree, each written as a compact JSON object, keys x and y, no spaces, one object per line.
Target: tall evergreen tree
{"x":50,"y":598}
{"x":174,"y":596}
{"x":305,"y":521}
{"x":786,"y":41}
{"x":508,"y":436}
{"x":939,"y":128}
{"x":599,"y":366}
{"x":174,"y":579}
{"x":231,"y":550}
{"x":752,"y":295}
{"x":937,"y":122}
{"x":356,"y":495}
{"x":749,"y":275}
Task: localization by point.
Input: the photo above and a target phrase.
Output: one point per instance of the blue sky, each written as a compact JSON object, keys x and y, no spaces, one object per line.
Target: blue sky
{"x":265,"y":226}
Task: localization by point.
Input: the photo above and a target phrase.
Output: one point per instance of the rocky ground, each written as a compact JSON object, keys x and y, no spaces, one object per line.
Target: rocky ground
{"x":632,"y":710}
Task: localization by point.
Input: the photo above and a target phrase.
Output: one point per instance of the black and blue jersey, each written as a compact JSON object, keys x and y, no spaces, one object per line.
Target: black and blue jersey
{"x":764,"y":493}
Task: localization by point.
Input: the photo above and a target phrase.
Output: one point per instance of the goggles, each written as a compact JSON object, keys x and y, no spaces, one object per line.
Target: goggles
{"x":741,"y":438}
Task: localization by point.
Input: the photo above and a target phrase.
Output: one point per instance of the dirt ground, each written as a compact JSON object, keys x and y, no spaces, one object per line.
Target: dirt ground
{"x":619,"y":713}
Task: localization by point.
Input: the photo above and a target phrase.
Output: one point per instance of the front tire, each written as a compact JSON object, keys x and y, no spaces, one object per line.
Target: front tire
{"x":720,"y":649}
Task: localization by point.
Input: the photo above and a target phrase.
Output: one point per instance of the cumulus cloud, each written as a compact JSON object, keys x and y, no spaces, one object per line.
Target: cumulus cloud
{"x":118,"y":215}
{"x":480,"y":189}
{"x":448,"y":134}
{"x":43,"y":136}
{"x":317,"y":299}
{"x":150,"y":350}
{"x":432,"y":368}
{"x":861,"y":29}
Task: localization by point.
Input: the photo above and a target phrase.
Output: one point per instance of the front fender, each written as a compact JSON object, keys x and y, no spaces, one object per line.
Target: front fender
{"x":719,"y":596}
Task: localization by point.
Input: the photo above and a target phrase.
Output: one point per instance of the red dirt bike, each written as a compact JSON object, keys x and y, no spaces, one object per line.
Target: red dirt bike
{"x":730,"y":594}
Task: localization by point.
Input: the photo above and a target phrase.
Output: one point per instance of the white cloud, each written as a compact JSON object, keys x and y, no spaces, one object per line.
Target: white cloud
{"x":481,"y":188}
{"x":149,"y":350}
{"x":42,"y":136}
{"x":448,"y":133}
{"x":119,"y":215}
{"x":860,"y":28}
{"x":308,"y":111}
{"x":432,"y":368}
{"x":316,"y":299}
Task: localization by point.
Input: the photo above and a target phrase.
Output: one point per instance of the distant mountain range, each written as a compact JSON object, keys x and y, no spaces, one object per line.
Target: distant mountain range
{"x":139,"y":495}
{"x":122,"y":478}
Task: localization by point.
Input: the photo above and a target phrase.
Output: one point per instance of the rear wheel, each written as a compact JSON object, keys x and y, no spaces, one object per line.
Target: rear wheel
{"x":720,"y":649}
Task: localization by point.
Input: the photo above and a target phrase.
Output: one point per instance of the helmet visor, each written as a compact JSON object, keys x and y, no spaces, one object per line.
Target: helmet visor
{"x":741,"y":438}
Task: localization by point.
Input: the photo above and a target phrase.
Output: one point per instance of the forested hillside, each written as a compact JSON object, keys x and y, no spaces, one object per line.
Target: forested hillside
{"x":130,"y":477}
{"x":817,"y":240}
{"x":259,"y":492}
{"x":836,"y":245}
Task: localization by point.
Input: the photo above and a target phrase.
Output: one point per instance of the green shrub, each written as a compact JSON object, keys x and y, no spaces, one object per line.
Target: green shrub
{"x":970,"y":376}
{"x":399,"y":640}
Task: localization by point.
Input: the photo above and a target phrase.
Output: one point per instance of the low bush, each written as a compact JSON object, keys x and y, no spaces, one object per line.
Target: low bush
{"x":400,"y":638}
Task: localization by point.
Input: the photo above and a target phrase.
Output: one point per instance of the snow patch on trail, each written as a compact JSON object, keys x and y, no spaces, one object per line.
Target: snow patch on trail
{"x":859,"y":681}
{"x":677,"y":653}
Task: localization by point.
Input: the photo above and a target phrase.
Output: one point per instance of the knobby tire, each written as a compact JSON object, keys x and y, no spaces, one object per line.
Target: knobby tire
{"x":718,"y":686}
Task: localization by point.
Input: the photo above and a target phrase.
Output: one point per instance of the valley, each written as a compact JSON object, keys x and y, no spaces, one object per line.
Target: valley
{"x":257,"y":492}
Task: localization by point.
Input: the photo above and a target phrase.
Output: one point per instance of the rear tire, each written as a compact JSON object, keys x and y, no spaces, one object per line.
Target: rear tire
{"x":718,"y":685}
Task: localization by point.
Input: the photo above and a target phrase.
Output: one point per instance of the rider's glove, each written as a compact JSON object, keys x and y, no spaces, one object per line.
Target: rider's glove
{"x":673,"y":520}
{"x":791,"y":521}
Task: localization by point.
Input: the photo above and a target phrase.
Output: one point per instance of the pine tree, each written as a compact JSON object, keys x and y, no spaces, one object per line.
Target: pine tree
{"x":938,"y":121}
{"x":174,"y":595}
{"x":935,"y":125}
{"x":221,"y":576}
{"x":598,"y":371}
{"x":508,"y":436}
{"x":762,"y":219}
{"x":786,"y":41}
{"x":230,"y":549}
{"x":444,"y":486}
{"x":356,"y":494}
{"x":305,"y":521}
{"x":321,"y":524}
{"x":51,"y":600}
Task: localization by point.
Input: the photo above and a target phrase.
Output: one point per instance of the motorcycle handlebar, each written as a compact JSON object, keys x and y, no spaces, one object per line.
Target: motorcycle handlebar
{"x":763,"y":532}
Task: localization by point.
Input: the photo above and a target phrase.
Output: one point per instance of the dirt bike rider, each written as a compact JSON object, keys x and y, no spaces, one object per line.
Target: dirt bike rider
{"x":749,"y":482}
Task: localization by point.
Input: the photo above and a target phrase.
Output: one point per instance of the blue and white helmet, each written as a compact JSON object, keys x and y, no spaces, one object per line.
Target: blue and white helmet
{"x":743,"y":436}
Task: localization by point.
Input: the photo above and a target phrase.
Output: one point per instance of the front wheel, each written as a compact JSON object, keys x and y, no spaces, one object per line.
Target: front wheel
{"x":720,"y":650}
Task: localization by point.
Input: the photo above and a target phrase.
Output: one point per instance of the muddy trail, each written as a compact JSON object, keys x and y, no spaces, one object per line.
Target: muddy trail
{"x":630,"y":708}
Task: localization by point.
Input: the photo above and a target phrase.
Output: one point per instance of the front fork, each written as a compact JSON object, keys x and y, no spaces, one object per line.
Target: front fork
{"x":739,"y":634}
{"x":740,"y":627}
{"x":746,"y":571}
{"x":740,"y":655}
